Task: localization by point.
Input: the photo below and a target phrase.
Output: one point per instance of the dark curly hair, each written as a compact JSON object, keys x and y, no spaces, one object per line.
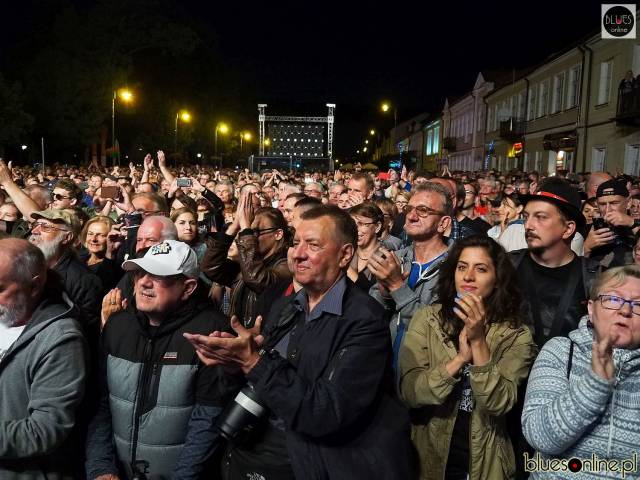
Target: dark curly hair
{"x":503,"y":305}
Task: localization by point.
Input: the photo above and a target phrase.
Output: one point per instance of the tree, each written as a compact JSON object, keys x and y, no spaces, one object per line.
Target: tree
{"x":88,"y":54}
{"x":15,"y":123}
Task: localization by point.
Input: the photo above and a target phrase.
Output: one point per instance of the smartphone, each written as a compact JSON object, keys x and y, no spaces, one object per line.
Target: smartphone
{"x":132,"y":220}
{"x":110,"y":192}
{"x":183,"y":182}
{"x":599,"y":223}
{"x":384,"y":176}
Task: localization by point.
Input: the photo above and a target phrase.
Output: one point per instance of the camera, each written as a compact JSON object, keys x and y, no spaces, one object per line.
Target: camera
{"x":132,"y":220}
{"x":207,"y":223}
{"x":242,"y":414}
{"x":183,"y":182}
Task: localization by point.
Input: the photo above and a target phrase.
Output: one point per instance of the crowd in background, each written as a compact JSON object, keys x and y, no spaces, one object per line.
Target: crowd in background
{"x":398,"y":324}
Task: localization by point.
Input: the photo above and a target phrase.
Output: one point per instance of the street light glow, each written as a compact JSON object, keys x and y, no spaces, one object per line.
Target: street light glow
{"x":185,"y":116}
{"x":267,"y":142}
{"x":24,"y":147}
{"x":223,"y":127}
{"x":199,"y":155}
{"x":246,"y":135}
{"x":372,"y":132}
{"x":364,"y":149}
{"x":385,"y":107}
{"x":125,"y":95}
{"x":366,"y":141}
{"x":357,"y":151}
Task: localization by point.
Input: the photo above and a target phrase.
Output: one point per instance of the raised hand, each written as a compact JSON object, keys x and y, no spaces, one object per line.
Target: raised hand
{"x":602,"y":353}
{"x":148,"y":162}
{"x":162,"y":161}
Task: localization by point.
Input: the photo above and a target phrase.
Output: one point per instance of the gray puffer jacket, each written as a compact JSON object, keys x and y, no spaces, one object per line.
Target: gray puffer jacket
{"x":42,"y":382}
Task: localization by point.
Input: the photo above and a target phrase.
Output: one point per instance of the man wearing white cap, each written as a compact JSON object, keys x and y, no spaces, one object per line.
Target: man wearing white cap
{"x":158,"y":402}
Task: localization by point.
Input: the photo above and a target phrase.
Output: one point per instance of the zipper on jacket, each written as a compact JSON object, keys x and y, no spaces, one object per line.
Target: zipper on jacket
{"x":142,"y":397}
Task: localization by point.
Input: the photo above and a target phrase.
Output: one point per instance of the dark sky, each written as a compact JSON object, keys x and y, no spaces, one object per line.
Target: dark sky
{"x":297,"y":56}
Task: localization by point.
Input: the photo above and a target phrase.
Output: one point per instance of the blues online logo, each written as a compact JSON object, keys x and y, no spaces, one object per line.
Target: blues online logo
{"x":619,"y":21}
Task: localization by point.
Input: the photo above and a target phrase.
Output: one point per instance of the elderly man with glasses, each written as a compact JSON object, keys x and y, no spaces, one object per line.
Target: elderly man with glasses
{"x":55,"y":232}
{"x":407,"y":277}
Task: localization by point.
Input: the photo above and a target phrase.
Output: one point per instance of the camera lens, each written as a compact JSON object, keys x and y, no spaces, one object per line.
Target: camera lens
{"x":243,"y":412}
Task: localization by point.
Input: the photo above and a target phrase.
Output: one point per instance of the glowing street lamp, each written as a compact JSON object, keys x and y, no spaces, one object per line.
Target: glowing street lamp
{"x":126,"y":96}
{"x":185,"y":116}
{"x":372,"y":132}
{"x":385,"y":107}
{"x":366,"y":141}
{"x":267,"y":142}
{"x":364,"y":149}
{"x":222,"y":128}
{"x":244,"y":136}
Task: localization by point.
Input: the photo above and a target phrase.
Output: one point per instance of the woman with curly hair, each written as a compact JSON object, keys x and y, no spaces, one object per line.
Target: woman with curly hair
{"x":461,"y":363}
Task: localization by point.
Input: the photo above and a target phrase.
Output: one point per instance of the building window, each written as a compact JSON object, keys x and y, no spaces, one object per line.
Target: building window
{"x":531,"y":114}
{"x":632,"y":160}
{"x":538,"y":159}
{"x":525,"y":164}
{"x":514,"y":105}
{"x":543,"y":98}
{"x":522,"y":106}
{"x":604,"y":87}
{"x":573,"y":95}
{"x":598,"y":155}
{"x":429,"y":142}
{"x":558,"y":92}
{"x":436,"y":139}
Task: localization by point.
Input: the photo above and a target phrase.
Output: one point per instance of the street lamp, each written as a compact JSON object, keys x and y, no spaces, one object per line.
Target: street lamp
{"x":222,"y":128}
{"x":126,"y":96}
{"x":372,"y":132}
{"x":185,"y":117}
{"x":244,"y":136}
{"x":366,"y":142}
{"x":385,"y":107}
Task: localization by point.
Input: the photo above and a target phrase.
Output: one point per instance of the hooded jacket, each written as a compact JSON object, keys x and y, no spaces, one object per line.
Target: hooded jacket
{"x":42,"y":382}
{"x":569,"y":411}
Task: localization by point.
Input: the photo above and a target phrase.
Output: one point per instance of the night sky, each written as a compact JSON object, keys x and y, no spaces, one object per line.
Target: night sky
{"x":298,"y":56}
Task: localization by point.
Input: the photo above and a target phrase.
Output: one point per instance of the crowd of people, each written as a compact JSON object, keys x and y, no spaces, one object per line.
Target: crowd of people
{"x":186,"y":322}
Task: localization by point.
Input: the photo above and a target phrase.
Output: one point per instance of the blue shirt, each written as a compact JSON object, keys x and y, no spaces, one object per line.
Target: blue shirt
{"x":330,"y":303}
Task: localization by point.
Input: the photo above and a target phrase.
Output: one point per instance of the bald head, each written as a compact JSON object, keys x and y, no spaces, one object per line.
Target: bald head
{"x":154,"y":230}
{"x":595,"y":179}
{"x":40,"y":195}
{"x":448,"y":185}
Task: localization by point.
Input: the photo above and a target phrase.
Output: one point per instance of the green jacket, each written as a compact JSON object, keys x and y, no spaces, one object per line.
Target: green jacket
{"x":426,"y":387}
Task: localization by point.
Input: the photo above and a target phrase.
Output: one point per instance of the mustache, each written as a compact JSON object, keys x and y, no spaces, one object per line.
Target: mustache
{"x":531,"y":235}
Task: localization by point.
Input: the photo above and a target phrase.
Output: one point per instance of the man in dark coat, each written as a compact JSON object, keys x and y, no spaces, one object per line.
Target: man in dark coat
{"x":325,"y":379}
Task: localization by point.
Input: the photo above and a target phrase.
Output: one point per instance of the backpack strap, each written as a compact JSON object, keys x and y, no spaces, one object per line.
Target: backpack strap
{"x":570,"y":362}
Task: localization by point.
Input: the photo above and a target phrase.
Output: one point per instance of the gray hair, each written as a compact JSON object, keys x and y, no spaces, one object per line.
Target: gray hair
{"x":447,"y":203}
{"x":617,"y":275}
{"x":169,"y":230}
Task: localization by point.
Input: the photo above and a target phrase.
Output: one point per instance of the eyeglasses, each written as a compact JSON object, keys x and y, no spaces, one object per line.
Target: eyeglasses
{"x":59,"y":196}
{"x":258,"y":232}
{"x":47,"y":228}
{"x":613,"y":302}
{"x":421,"y":210}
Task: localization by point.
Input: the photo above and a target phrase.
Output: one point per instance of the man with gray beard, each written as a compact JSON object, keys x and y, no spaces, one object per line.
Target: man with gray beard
{"x":54,"y":233}
{"x":42,"y":368}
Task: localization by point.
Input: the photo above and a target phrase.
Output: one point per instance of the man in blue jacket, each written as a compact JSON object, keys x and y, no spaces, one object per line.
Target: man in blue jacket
{"x":326,"y":379}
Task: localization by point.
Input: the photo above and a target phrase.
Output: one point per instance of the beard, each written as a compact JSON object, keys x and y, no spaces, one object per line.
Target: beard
{"x":11,"y":316}
{"x":51,"y":248}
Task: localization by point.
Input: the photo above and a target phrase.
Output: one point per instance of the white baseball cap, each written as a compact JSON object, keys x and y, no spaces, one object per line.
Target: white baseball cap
{"x":168,"y":258}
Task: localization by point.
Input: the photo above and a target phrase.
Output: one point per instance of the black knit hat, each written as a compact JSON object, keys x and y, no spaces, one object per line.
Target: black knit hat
{"x":562,"y":195}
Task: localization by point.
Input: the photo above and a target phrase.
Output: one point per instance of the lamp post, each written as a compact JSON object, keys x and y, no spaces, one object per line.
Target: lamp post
{"x":222,"y":128}
{"x":185,"y":117}
{"x":385,"y":107}
{"x":126,"y":96}
{"x":244,"y":136}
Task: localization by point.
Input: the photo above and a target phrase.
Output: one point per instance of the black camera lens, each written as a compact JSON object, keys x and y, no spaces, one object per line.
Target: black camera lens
{"x":242,"y":413}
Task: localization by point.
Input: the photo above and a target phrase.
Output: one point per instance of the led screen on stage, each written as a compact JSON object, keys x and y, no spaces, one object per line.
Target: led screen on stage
{"x":297,"y":140}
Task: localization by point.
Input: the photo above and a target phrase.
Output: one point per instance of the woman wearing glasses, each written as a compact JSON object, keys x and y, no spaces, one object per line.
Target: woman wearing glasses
{"x":262,"y":238}
{"x":461,"y":363}
{"x":369,"y":219}
{"x":584,"y":391}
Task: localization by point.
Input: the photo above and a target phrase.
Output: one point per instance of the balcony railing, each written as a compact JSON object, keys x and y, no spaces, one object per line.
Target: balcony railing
{"x":628,"y":110}
{"x":449,"y":144}
{"x":512,"y":129}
